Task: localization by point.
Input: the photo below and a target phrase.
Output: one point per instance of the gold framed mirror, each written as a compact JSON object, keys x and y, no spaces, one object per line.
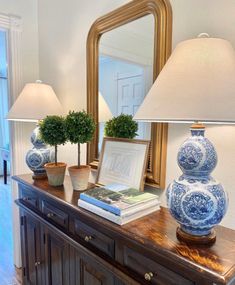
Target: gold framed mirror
{"x":162,"y":21}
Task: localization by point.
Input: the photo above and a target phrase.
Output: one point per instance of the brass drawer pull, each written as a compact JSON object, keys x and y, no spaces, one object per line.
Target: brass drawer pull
{"x":37,"y":263}
{"x":87,"y":238}
{"x":148,"y":276}
{"x":26,"y":199}
{"x":50,"y":215}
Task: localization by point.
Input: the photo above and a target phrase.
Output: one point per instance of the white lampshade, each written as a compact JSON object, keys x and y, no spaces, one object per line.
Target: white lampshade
{"x":104,"y":111}
{"x":35,"y":102}
{"x":196,"y":84}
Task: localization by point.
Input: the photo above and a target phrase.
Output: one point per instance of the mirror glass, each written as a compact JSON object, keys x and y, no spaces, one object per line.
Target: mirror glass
{"x":126,"y":57}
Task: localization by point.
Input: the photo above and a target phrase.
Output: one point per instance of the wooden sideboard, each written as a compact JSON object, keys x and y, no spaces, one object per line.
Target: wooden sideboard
{"x":63,"y":244}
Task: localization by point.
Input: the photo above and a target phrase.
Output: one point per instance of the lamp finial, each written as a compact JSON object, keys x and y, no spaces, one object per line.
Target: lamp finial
{"x":203,"y":35}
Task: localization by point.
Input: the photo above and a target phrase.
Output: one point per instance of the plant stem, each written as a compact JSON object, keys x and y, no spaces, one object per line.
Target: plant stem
{"x":55,"y":154}
{"x":79,"y":154}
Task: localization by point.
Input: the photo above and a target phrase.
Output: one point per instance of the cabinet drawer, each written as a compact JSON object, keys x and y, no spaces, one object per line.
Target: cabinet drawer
{"x":152,"y":271}
{"x":94,"y":237}
{"x":29,"y":197}
{"x":54,"y":214}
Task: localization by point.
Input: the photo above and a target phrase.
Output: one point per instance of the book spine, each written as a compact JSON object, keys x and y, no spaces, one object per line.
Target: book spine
{"x":100,"y":204}
{"x":141,"y":207}
{"x":142,"y":203}
{"x":139,"y":214}
{"x":100,"y":212}
{"x":113,"y":218}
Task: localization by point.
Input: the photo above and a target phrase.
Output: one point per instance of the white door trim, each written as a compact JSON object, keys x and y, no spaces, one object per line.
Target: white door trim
{"x":13,"y":25}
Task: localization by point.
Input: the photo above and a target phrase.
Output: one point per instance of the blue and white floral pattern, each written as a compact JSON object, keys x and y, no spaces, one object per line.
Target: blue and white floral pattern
{"x":190,"y":156}
{"x":196,"y":200}
{"x":197,"y":155}
{"x":39,"y":155}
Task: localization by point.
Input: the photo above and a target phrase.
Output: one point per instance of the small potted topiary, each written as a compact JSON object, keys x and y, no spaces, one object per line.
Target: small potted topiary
{"x":122,"y":126}
{"x":80,"y":128}
{"x":52,"y":132}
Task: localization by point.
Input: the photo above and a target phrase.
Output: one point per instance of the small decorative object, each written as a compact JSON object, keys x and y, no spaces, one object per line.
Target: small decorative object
{"x":39,"y":155}
{"x":122,"y":126}
{"x":196,"y":85}
{"x":123,"y":161}
{"x":35,"y":102}
{"x":52,"y":132}
{"x":80,"y":128}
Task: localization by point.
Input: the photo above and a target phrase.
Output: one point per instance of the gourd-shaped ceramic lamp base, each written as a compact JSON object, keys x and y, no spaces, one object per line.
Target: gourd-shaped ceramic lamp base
{"x":39,"y":155}
{"x":196,"y":200}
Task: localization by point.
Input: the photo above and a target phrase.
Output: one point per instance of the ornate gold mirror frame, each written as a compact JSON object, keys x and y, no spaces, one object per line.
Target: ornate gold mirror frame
{"x":161,"y":10}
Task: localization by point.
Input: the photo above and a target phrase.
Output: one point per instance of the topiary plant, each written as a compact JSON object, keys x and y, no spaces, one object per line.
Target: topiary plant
{"x":80,"y":128}
{"x":122,"y":126}
{"x":52,"y":132}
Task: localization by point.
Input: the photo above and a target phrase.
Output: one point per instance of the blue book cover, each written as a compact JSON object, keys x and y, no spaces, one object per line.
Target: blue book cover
{"x":102,"y":198}
{"x":116,"y":202}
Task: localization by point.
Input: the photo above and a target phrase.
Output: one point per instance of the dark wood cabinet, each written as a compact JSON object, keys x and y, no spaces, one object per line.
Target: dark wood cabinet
{"x":55,"y":257}
{"x":31,"y":250}
{"x":63,"y":244}
{"x":49,"y":259}
{"x":86,"y":270}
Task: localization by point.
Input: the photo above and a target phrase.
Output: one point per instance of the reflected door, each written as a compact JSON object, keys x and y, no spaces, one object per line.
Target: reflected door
{"x":131,"y":92}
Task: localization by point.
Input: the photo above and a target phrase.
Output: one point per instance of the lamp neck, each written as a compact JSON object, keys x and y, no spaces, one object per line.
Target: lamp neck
{"x":197,"y":129}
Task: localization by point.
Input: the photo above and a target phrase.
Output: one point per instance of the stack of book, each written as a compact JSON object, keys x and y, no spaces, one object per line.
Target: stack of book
{"x":118,"y":203}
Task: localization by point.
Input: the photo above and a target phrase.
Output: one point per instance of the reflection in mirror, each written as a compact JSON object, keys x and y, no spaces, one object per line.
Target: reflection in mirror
{"x":126,"y":57}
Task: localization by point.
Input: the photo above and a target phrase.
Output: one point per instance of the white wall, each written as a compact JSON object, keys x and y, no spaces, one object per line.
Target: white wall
{"x":28,"y":12}
{"x":63,"y":28}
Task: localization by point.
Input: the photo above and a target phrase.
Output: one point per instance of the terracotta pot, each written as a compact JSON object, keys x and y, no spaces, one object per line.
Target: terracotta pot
{"x":79,"y":176}
{"x":55,"y":173}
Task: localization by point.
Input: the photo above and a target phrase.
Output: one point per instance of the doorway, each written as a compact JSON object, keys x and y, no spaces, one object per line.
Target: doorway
{"x":11,"y":29}
{"x":4,"y":107}
{"x":9,"y":274}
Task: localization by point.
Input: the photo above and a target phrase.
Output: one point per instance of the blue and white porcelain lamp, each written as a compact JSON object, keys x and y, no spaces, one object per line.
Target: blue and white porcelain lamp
{"x":197,"y":85}
{"x":35,"y":102}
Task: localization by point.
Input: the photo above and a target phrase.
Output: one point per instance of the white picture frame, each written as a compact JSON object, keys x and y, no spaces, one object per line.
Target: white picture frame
{"x":123,"y":161}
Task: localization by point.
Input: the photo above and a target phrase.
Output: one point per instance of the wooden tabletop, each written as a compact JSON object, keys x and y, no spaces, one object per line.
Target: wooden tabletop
{"x":156,"y":231}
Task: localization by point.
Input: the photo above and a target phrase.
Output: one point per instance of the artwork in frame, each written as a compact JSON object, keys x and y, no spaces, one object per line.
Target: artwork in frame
{"x":123,"y":161}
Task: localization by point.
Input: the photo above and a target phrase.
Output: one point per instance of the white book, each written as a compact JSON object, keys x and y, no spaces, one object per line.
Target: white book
{"x":115,"y":218}
{"x":140,"y":207}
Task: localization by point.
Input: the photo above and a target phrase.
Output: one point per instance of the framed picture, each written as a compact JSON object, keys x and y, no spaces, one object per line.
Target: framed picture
{"x":123,"y":161}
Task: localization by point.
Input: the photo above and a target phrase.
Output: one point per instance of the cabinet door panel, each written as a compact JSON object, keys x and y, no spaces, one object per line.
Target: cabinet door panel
{"x":85,"y":270}
{"x":56,"y":252}
{"x":31,"y":256}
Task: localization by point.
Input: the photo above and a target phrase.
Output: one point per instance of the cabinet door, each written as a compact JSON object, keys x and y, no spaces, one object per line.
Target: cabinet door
{"x":31,"y":255}
{"x":56,"y":258}
{"x":85,"y":270}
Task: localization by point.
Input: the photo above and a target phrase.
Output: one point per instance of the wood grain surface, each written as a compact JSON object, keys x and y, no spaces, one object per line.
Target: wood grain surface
{"x":156,"y":233}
